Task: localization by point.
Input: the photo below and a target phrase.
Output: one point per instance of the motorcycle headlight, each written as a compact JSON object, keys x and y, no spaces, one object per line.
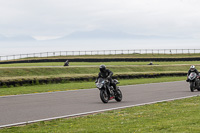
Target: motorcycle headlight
{"x":99,"y":85}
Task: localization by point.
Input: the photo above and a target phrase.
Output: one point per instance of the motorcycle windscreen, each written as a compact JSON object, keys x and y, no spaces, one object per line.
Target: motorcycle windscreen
{"x":192,"y":76}
{"x":100,"y":83}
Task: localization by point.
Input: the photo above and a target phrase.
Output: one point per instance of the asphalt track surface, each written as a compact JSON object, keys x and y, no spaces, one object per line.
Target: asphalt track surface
{"x":22,"y":109}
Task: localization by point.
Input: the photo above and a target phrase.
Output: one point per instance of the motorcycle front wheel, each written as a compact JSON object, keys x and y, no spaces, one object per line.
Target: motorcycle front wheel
{"x":191,"y":86}
{"x":118,"y":96}
{"x":104,"y":96}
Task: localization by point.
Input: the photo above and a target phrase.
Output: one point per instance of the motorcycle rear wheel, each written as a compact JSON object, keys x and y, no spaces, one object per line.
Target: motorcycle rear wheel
{"x":104,"y":96}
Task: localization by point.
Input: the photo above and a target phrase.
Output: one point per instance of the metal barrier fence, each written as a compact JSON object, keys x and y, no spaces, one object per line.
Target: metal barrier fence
{"x":100,"y":52}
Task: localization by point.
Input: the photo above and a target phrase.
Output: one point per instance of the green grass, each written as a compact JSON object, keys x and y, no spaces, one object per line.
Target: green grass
{"x":59,"y":71}
{"x":97,"y":63}
{"x":78,"y":69}
{"x":180,"y":116}
{"x":77,"y":85}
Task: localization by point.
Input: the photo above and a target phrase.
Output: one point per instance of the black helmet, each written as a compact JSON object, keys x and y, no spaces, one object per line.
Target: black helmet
{"x":102,"y":68}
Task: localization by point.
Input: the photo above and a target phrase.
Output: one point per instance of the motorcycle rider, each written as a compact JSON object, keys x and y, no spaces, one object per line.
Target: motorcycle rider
{"x":106,"y":73}
{"x":192,"y":69}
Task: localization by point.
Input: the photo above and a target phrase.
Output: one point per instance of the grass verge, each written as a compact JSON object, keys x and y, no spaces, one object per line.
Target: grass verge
{"x":173,"y":116}
{"x":78,"y":85}
{"x":97,"y":63}
{"x":58,"y":71}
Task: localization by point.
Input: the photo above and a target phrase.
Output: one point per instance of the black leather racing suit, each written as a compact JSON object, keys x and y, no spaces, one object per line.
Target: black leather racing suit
{"x":107,"y":74}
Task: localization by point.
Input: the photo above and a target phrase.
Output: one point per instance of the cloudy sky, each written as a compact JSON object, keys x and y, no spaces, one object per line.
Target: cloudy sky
{"x":55,"y":18}
{"x":51,"y":19}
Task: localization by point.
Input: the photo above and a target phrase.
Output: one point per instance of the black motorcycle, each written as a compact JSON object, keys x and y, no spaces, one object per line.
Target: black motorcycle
{"x":194,"y":81}
{"x":107,"y":92}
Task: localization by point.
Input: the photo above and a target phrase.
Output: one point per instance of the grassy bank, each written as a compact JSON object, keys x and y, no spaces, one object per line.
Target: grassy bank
{"x":35,"y":75}
{"x":98,"y":63}
{"x":59,"y":71}
{"x":77,"y":85}
{"x":174,"y":116}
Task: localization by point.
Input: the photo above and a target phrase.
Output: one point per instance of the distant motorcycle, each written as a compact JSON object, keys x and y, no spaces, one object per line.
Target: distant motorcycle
{"x":107,"y":92}
{"x":194,"y":81}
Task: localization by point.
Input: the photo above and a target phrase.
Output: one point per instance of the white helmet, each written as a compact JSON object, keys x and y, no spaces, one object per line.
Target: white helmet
{"x":192,"y":68}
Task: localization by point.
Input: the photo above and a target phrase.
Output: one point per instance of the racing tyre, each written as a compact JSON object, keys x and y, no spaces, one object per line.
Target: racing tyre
{"x":118,"y":96}
{"x":191,"y":86}
{"x":104,"y":96}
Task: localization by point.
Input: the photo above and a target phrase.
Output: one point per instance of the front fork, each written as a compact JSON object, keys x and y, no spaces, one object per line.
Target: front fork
{"x":110,"y":92}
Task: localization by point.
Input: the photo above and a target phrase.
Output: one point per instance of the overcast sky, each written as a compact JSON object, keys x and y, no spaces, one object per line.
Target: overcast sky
{"x":45,"y":19}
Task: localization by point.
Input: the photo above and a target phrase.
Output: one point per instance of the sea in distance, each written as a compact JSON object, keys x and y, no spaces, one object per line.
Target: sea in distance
{"x":26,"y":47}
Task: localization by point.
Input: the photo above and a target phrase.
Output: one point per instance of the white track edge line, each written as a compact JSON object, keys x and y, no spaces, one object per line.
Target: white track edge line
{"x":91,"y":112}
